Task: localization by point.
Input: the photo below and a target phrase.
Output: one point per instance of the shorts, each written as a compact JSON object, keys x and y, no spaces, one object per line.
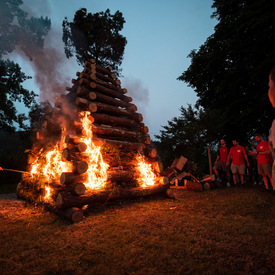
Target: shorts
{"x":238,"y":169}
{"x":221,"y":165}
{"x":265,"y":169}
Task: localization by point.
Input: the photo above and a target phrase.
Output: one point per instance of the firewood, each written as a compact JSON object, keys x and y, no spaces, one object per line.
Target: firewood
{"x":92,"y":95}
{"x":113,"y":131}
{"x":68,"y":178}
{"x":108,"y":109}
{"x":109,"y":92}
{"x":114,"y":120}
{"x":80,"y":167}
{"x":194,"y":186}
{"x":179,"y":163}
{"x":77,"y":188}
{"x":84,"y":82}
{"x":74,"y":214}
{"x":119,"y":143}
{"x":72,"y":139}
{"x":82,"y":102}
{"x":65,"y":200}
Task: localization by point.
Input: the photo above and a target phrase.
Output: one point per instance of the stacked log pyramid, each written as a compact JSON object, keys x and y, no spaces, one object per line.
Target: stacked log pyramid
{"x":117,"y":126}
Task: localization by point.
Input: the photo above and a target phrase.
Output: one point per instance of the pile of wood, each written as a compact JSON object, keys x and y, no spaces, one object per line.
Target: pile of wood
{"x":116,"y":126}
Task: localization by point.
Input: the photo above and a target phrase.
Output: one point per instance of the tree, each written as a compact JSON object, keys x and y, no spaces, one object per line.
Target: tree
{"x":95,"y":36}
{"x":19,"y":30}
{"x":230,"y":70}
{"x":11,"y":79}
{"x":186,"y":135}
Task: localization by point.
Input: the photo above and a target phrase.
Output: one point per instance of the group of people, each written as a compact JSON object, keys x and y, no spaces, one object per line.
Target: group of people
{"x":237,"y":160}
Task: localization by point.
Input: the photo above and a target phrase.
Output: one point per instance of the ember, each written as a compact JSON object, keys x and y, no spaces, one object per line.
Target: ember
{"x":93,"y":147}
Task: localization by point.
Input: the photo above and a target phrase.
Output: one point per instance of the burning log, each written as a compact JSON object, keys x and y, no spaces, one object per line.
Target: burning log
{"x":65,"y":200}
{"x":80,"y":167}
{"x":68,"y":178}
{"x":119,"y":143}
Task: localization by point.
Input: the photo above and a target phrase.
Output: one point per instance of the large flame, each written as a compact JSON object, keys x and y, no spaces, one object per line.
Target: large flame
{"x":49,"y":165}
{"x":97,"y":171}
{"x":147,"y":176}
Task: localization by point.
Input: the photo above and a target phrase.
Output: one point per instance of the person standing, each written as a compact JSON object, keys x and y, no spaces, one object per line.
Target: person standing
{"x":237,"y":155}
{"x":271,"y":138}
{"x":264,"y":159}
{"x":220,"y":162}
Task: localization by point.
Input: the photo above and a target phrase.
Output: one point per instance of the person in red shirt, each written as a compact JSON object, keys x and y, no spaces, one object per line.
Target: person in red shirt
{"x":264,"y":159}
{"x":220,"y":162}
{"x":237,"y":155}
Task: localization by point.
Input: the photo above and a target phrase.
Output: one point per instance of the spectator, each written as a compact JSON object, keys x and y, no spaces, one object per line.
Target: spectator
{"x":264,"y":159}
{"x":237,"y":155}
{"x":220,"y":163}
{"x":271,"y":95}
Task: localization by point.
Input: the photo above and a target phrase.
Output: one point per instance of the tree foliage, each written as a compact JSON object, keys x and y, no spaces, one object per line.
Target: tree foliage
{"x":11,"y":79}
{"x":17,"y":29}
{"x":230,"y":70}
{"x":185,"y":135}
{"x":95,"y":36}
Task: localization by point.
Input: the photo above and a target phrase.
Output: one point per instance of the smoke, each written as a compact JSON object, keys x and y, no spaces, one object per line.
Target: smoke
{"x":50,"y":65}
{"x":139,"y":94}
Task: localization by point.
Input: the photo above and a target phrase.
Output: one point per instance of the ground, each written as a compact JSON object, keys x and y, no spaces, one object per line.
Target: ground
{"x":221,"y":231}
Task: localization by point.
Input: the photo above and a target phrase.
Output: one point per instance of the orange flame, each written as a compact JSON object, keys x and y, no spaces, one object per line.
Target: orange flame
{"x":147,"y":176}
{"x":97,"y":171}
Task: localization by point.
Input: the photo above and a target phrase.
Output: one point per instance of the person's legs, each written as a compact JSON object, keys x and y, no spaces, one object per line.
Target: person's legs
{"x":235,"y":177}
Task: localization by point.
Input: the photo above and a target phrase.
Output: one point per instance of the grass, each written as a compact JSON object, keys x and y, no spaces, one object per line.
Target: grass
{"x":222,"y":231}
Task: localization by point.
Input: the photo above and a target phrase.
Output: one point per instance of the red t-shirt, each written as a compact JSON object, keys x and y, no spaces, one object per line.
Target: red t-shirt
{"x":237,"y":152}
{"x":223,"y":154}
{"x":263,"y":158}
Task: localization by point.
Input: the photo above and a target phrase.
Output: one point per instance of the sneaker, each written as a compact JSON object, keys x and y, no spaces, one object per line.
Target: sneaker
{"x":218,"y":179}
{"x":228,"y":184}
{"x":255,"y":182}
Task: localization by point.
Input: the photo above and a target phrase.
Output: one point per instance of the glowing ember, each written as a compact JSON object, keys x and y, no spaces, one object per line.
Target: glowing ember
{"x":48,"y":193}
{"x":147,"y":176}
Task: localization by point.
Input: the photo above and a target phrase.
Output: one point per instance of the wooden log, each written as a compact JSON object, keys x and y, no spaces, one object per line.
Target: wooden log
{"x":114,"y":132}
{"x":92,"y":95}
{"x":69,"y":153}
{"x":110,"y":92}
{"x":68,"y":178}
{"x":112,"y":110}
{"x":65,"y":200}
{"x":82,"y":102}
{"x":119,"y":143}
{"x":84,"y":82}
{"x":76,"y":188}
{"x":74,"y":214}
{"x":114,"y":120}
{"x":179,"y":163}
{"x":80,"y":167}
{"x":102,"y":70}
{"x":194,"y":186}
{"x":118,"y":176}
{"x":103,"y":77}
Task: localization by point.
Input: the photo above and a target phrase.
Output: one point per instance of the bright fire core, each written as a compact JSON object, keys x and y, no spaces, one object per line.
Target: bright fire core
{"x":48,"y":166}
